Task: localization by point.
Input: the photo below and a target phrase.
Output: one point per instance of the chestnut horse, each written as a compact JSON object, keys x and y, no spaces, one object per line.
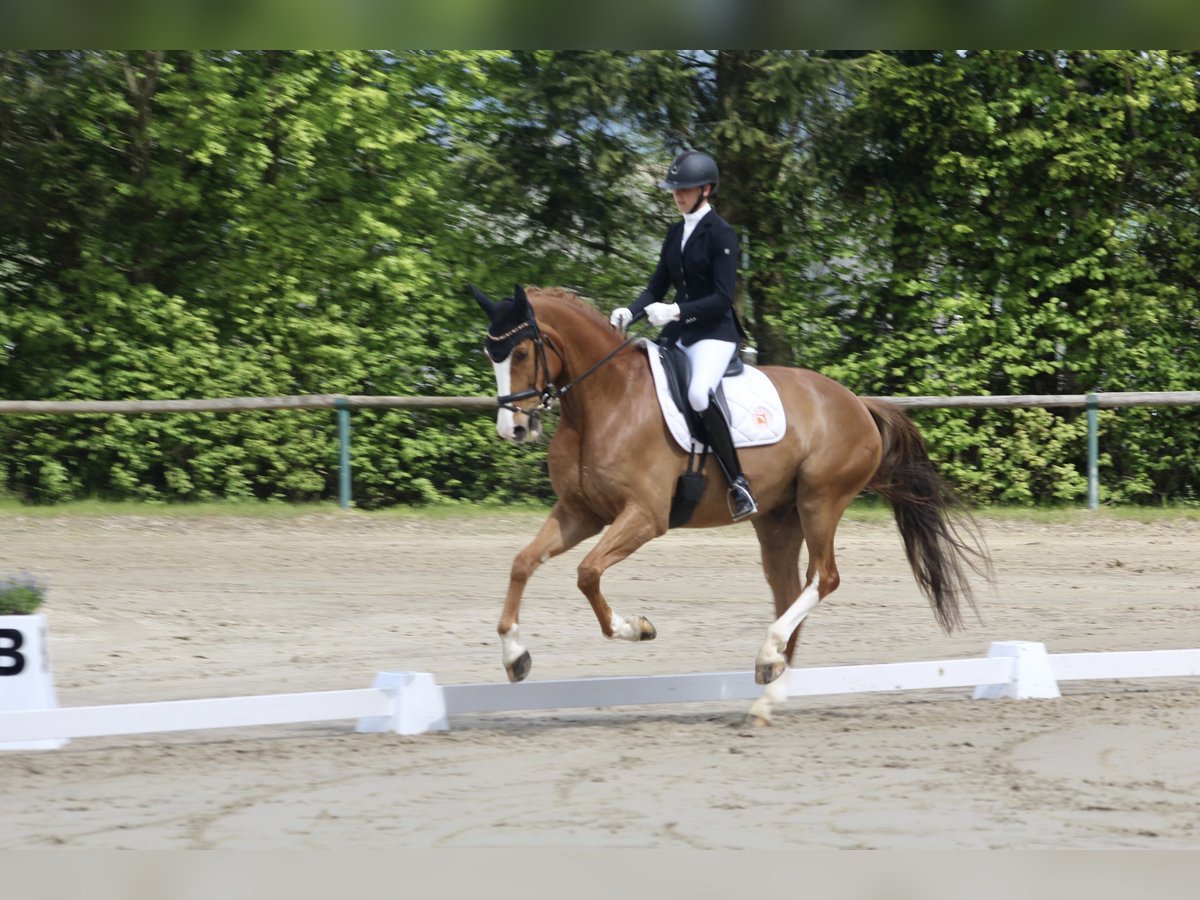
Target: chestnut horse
{"x":614,"y":463}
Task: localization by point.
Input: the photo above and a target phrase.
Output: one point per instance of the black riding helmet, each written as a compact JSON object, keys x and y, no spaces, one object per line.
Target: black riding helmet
{"x":691,"y":169}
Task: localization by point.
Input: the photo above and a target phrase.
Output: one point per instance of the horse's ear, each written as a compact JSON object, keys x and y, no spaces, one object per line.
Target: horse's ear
{"x":520,"y":301}
{"x":487,"y":304}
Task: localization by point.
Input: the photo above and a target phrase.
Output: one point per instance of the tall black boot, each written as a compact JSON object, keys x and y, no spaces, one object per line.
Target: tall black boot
{"x":741,"y":500}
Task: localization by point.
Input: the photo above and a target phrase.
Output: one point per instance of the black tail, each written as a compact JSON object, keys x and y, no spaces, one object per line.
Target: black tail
{"x":941,"y":539}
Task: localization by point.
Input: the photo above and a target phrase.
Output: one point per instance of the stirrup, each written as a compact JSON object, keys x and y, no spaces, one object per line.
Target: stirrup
{"x":741,"y":501}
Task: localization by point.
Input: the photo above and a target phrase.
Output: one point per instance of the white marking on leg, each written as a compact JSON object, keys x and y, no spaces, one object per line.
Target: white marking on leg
{"x":504,"y":419}
{"x":625,"y":631}
{"x":785,"y":626}
{"x":774,"y":695}
{"x":510,"y":646}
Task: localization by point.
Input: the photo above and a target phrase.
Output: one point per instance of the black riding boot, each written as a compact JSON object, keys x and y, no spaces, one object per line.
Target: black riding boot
{"x":741,"y":500}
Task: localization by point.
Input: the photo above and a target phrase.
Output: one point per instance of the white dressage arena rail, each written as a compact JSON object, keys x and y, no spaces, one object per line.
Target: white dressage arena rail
{"x":413,"y":703}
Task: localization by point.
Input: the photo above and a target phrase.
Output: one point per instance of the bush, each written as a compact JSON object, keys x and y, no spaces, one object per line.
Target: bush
{"x":20,"y":595}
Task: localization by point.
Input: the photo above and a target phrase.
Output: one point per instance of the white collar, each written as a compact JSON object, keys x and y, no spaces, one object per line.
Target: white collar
{"x":692,"y":219}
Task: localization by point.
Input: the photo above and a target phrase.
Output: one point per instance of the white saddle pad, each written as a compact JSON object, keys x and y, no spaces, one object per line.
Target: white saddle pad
{"x":755,"y":410}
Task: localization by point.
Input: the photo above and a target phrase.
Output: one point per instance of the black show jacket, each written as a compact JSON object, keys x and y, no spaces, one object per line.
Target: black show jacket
{"x":703,"y":273}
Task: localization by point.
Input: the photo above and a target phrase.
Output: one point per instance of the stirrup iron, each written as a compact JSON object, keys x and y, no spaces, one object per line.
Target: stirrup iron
{"x":741,"y":499}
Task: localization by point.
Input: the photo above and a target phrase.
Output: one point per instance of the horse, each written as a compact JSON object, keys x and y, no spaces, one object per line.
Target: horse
{"x":613,"y":465}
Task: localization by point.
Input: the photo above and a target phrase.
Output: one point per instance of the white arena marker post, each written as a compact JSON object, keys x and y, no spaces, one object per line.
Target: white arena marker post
{"x":25,"y":679}
{"x":420,"y":705}
{"x":1032,"y":676}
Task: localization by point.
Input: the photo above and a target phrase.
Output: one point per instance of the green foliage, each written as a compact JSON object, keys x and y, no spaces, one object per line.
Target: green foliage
{"x":206,"y":224}
{"x":21,"y":595}
{"x":1005,"y":218}
{"x":236,"y":224}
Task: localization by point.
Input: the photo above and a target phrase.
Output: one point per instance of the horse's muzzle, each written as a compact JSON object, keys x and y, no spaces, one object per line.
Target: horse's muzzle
{"x":520,"y":428}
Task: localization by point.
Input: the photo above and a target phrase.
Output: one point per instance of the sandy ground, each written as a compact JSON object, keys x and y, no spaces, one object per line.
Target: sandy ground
{"x":146,"y":608}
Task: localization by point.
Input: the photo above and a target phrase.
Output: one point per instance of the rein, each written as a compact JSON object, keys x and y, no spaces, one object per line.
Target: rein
{"x":550,"y":391}
{"x":605,"y":358}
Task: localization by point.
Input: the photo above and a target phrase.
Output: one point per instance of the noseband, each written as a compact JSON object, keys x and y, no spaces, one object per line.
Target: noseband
{"x":549,"y":391}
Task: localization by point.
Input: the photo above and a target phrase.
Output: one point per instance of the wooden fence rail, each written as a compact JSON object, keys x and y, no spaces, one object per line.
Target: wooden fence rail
{"x":343,"y":403}
{"x":1100,"y":400}
{"x":237,"y":404}
{"x":362,"y":401}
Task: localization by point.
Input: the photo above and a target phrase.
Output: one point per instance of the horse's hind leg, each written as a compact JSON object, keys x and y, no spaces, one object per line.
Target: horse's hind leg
{"x":819,"y":516}
{"x":559,"y":533}
{"x":780,"y":537}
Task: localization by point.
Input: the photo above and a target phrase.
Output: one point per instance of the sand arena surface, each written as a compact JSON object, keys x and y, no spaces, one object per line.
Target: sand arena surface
{"x":145,"y":608}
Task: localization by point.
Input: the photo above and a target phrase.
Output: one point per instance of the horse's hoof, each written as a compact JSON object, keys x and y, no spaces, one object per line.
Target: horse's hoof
{"x":646,"y":631}
{"x":765,"y":673}
{"x":519,"y":669}
{"x":756,"y":721}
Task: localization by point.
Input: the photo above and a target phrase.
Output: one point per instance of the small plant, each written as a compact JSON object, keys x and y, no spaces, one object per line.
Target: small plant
{"x":20,"y":595}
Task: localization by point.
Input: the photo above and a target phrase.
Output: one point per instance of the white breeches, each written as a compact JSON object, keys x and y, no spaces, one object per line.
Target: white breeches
{"x":709,"y":361}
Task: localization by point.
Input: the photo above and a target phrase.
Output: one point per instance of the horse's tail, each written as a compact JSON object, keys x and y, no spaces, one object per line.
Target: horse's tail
{"x":941,"y":539}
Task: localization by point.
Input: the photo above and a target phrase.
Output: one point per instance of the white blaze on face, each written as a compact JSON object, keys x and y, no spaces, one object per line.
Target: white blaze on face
{"x":504,"y":421}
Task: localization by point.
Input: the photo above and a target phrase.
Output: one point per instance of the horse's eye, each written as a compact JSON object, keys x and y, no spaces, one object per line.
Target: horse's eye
{"x":520,"y":355}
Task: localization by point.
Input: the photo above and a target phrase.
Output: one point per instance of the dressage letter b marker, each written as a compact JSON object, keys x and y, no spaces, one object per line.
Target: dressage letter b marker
{"x":11,"y":662}
{"x":25,"y":680}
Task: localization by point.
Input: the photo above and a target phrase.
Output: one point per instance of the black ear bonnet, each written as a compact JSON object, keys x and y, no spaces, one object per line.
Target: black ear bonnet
{"x":509,"y":326}
{"x":510,"y":321}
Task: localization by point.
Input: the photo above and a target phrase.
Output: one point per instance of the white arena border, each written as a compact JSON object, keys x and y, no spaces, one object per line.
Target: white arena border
{"x":413,"y":703}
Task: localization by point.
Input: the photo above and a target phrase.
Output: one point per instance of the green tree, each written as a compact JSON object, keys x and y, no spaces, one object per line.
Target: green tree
{"x":998,"y":198}
{"x":187,"y":224}
{"x":214,"y":224}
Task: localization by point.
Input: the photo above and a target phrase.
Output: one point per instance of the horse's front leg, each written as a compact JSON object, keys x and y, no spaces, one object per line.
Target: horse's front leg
{"x":560,"y":532}
{"x":632,"y":528}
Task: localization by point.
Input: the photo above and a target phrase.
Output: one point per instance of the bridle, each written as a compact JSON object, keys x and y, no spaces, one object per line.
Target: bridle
{"x":549,"y":392}
{"x":544,"y":394}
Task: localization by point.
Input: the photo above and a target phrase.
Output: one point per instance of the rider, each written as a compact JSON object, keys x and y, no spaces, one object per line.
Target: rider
{"x":700,"y":258}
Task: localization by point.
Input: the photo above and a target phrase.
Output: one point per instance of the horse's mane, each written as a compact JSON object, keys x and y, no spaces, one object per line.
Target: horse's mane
{"x":566,"y":298}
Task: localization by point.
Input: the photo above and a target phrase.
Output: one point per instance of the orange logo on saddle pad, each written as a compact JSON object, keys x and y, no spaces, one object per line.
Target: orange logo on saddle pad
{"x":762,"y":417}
